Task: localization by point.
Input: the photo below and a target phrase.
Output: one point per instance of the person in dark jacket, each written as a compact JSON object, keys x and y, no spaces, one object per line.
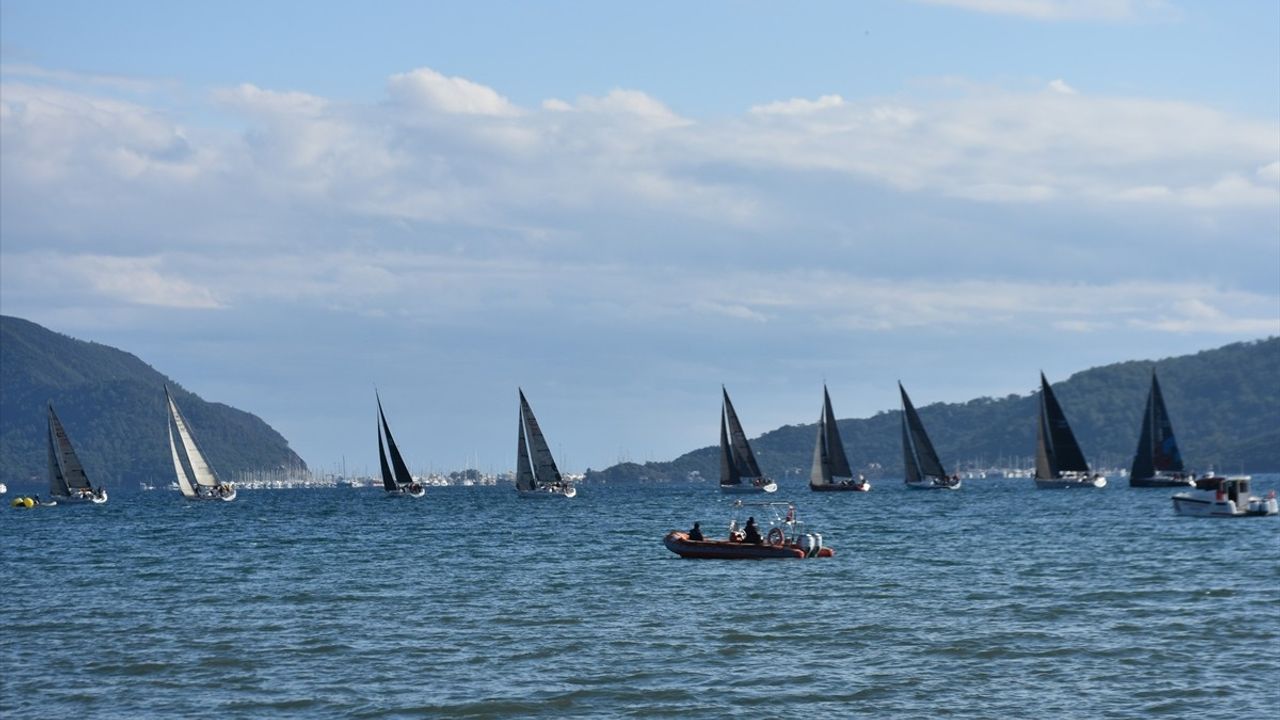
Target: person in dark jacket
{"x":751,"y":533}
{"x":696,"y":532}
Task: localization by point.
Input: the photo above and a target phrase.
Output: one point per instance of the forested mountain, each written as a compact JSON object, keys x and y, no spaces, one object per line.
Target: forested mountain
{"x":1225,"y":406}
{"x":112,"y":405}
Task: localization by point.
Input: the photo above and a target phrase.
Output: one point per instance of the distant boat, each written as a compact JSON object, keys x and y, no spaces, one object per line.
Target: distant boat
{"x":399,"y":482}
{"x":1157,"y":461}
{"x":739,"y":472}
{"x":68,"y":482}
{"x":1059,"y":460}
{"x":536,"y":472}
{"x":831,"y":471}
{"x":1224,"y":497}
{"x":201,"y":483}
{"x":923,"y":468}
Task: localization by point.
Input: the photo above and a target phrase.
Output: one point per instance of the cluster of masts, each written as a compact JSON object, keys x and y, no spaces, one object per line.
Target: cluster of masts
{"x":1059,"y":463}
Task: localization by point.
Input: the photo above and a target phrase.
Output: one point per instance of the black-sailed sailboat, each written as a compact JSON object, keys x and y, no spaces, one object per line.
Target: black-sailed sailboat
{"x":1059,"y":461}
{"x":1157,"y":461}
{"x":68,"y":482}
{"x":739,"y":472}
{"x":831,"y":471}
{"x":923,"y":468}
{"x":396,"y":479}
{"x":536,"y":473}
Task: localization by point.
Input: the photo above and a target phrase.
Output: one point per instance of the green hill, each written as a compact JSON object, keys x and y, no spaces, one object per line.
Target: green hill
{"x":1225,"y":405}
{"x":112,"y":405}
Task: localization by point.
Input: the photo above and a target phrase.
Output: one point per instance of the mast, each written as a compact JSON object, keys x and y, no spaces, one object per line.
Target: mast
{"x":544,"y":466}
{"x":1063,"y":448}
{"x":926,"y":458}
{"x":524,"y":471}
{"x":744,"y":459}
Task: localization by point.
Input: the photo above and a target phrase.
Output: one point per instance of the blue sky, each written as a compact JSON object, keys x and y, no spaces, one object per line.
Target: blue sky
{"x":621,"y":207}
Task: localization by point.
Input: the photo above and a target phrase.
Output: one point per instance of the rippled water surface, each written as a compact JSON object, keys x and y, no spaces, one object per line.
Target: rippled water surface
{"x":994,"y":601}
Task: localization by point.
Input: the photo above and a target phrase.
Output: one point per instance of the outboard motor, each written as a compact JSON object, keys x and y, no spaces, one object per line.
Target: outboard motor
{"x":811,"y":543}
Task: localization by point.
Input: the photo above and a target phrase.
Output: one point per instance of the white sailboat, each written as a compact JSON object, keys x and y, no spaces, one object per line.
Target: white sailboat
{"x":536,"y":472}
{"x":68,"y":482}
{"x":201,"y":483}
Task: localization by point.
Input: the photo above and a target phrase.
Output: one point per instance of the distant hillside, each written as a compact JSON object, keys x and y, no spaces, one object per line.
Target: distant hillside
{"x":1225,"y":405}
{"x":112,"y":405}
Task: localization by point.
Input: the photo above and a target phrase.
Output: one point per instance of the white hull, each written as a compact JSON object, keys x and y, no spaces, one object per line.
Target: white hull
{"x":207,"y":493}
{"x":749,"y":489}
{"x":94,"y":499}
{"x":409,"y":492}
{"x":1097,"y":481}
{"x":565,"y":494}
{"x":1201,"y":504}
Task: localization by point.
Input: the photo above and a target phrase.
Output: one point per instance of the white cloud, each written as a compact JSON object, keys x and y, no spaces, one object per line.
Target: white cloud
{"x":129,"y":280}
{"x":1061,"y":87}
{"x":427,"y":89}
{"x":1057,"y":10}
{"x":798,"y":106}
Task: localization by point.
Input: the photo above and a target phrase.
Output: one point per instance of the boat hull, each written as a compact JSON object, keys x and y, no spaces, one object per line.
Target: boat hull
{"x":841,"y":487}
{"x":1162,"y":482}
{"x":679,"y":543}
{"x":749,"y":489}
{"x":1068,"y":483}
{"x":565,"y":494}
{"x":94,"y":499}
{"x":1198,"y":505}
{"x":409,"y":491}
{"x":934,"y":484}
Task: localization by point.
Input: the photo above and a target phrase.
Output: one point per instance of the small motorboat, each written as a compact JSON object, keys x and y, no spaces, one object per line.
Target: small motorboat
{"x":786,"y":538}
{"x":1224,"y":497}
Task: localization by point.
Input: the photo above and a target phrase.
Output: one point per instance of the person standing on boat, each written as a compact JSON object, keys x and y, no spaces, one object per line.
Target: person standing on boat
{"x":751,"y":533}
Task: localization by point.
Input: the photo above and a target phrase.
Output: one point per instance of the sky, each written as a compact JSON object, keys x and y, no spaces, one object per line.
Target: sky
{"x":621,"y":207}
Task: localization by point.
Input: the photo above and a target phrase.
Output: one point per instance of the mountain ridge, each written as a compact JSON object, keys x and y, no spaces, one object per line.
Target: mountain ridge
{"x":1224,"y":402}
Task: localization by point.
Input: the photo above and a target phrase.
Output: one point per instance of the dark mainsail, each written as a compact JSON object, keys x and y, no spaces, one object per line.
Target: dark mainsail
{"x":1157,"y":447}
{"x":66,"y":472}
{"x":1056,"y":448}
{"x":524,"y":471}
{"x":829,"y":459}
{"x":744,"y":459}
{"x":916,"y":445}
{"x":401,"y":471}
{"x":544,"y":466}
{"x":729,"y":474}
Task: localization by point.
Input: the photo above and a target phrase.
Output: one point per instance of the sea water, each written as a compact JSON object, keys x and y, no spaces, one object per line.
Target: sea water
{"x":998,"y":600}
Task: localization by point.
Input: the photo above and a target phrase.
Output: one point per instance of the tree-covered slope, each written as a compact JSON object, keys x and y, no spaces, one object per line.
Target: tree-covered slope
{"x":112,"y":405}
{"x":1225,"y":406}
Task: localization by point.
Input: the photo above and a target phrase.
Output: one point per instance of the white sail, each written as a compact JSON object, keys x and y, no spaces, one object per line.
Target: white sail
{"x":184,"y":482}
{"x":199,"y":467}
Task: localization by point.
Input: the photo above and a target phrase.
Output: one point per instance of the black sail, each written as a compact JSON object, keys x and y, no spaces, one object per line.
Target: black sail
{"x":744,"y":459}
{"x":388,"y":480}
{"x":402,"y":476}
{"x":835,"y":446}
{"x":926,"y":457}
{"x":909,"y":455}
{"x":1058,"y":443}
{"x":69,"y":465}
{"x":524,"y":470}
{"x":545,"y":471}
{"x":1157,"y":447}
{"x":57,"y":482}
{"x":729,"y":474}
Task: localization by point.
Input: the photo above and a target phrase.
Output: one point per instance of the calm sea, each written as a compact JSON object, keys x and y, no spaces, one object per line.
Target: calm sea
{"x":996,"y":601}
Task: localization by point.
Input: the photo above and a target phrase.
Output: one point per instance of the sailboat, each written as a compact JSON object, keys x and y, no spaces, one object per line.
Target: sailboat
{"x":923,"y":468}
{"x":396,"y":479}
{"x":1059,"y":460}
{"x":831,"y":471}
{"x":201,"y":483}
{"x":739,"y":472}
{"x":1157,"y":461}
{"x":68,"y":482}
{"x":536,"y":472}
